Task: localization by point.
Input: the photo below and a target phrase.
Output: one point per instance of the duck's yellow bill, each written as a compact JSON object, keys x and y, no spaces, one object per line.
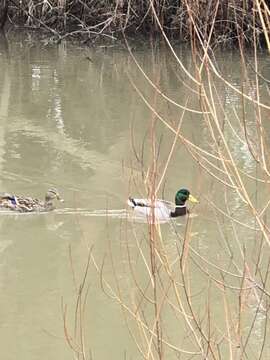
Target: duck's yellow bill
{"x":193,"y":199}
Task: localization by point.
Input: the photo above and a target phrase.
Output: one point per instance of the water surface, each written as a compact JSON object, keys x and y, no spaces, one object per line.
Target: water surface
{"x":70,"y":118}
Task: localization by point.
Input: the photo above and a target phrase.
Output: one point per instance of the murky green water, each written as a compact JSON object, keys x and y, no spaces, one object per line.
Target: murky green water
{"x":70,"y":118}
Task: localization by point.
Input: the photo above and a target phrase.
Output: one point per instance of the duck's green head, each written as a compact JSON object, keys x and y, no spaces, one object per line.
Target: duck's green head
{"x":182,"y":196}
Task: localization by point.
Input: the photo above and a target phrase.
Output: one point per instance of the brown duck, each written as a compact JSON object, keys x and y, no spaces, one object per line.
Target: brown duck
{"x":29,"y":204}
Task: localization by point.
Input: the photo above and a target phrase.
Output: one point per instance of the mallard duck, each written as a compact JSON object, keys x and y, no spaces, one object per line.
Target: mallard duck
{"x":28,"y":204}
{"x":163,"y":209}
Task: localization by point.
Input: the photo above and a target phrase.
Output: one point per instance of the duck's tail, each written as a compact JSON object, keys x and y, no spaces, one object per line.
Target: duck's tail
{"x":138,"y":202}
{"x":131,"y":202}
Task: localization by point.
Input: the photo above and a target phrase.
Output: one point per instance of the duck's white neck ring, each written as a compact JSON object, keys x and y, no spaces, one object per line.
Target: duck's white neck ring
{"x":180,"y":206}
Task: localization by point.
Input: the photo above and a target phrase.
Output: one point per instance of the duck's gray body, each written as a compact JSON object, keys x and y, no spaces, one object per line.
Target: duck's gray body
{"x":159,"y":209}
{"x":162,"y":209}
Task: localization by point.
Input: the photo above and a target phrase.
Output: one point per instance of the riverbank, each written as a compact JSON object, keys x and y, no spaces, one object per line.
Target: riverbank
{"x":220,"y":23}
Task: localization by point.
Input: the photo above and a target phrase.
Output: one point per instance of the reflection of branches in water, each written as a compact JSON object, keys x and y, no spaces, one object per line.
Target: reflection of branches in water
{"x":4,"y":45}
{"x":4,"y":105}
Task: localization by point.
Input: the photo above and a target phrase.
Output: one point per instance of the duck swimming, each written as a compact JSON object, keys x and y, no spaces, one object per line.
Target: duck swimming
{"x":28,"y":204}
{"x":163,"y":209}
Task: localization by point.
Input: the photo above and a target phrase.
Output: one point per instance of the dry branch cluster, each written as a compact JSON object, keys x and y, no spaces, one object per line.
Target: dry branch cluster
{"x":91,"y":18}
